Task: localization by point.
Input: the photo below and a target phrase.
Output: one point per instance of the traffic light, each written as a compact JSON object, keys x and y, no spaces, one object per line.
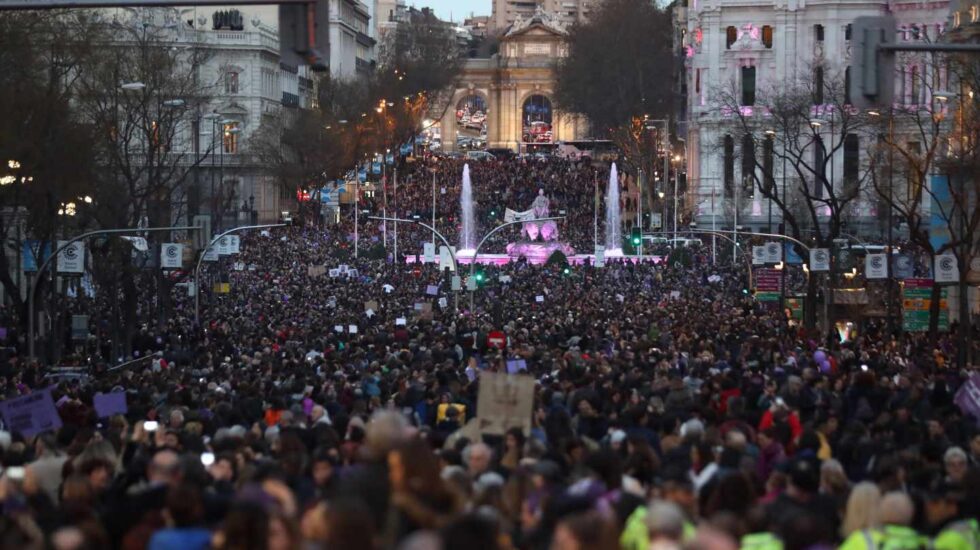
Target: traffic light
{"x":479,"y":278}
{"x":635,"y":237}
{"x":566,"y":271}
{"x":872,"y":78}
{"x":303,"y":34}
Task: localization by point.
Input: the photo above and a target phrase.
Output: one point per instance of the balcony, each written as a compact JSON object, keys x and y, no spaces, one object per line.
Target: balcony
{"x":290,"y":100}
{"x":363,"y":64}
{"x":365,"y":40}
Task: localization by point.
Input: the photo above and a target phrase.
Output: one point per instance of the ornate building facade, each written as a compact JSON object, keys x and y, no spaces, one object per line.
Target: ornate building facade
{"x":513,"y":91}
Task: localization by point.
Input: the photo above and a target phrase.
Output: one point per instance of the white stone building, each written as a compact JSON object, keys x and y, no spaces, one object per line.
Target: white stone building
{"x":247,"y":85}
{"x":351,"y":39}
{"x":750,"y":45}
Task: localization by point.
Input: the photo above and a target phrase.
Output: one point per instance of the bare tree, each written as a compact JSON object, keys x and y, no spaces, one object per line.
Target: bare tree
{"x":144,"y":99}
{"x":803,"y":127}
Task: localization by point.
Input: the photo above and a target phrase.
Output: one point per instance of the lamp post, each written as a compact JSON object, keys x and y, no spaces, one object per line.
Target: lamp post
{"x":32,"y":288}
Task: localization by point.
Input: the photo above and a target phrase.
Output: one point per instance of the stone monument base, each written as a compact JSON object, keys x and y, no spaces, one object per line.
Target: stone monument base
{"x":538,"y":252}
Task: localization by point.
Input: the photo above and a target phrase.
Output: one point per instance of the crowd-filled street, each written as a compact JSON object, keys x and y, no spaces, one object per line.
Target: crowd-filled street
{"x":335,"y":407}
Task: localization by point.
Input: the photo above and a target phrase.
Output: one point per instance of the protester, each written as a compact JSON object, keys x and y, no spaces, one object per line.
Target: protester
{"x":339,"y":407}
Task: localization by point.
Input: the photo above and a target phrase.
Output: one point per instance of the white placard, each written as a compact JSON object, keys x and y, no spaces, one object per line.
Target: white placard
{"x":600,"y":256}
{"x":445,"y":259}
{"x":400,"y":322}
{"x":457,"y":282}
{"x":876,"y":266}
{"x":471,"y":283}
{"x":758,"y":255}
{"x":947,"y":269}
{"x":443,"y":302}
{"x":352,"y":329}
{"x":211,"y":255}
{"x":234,"y":244}
{"x":428,"y":253}
{"x":171,"y":255}
{"x":338,"y":328}
{"x":773,"y":253}
{"x":819,"y":259}
{"x":539,"y":299}
{"x":71,"y":259}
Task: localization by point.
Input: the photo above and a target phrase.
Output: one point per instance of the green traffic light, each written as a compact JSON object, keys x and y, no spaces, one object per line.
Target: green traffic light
{"x":566,"y":271}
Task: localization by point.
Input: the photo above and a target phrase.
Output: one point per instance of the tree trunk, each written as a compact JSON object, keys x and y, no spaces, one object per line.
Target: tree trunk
{"x":937,"y":292}
{"x":963,"y":344}
{"x":810,"y":306}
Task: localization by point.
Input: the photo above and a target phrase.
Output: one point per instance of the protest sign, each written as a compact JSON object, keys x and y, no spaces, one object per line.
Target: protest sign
{"x":504,"y":402}
{"x":428,"y":253}
{"x":30,"y":414}
{"x":968,"y":397}
{"x":432,"y":290}
{"x":108,"y":404}
{"x":338,"y":328}
{"x":515,"y":366}
{"x":539,"y":299}
{"x":400,"y":322}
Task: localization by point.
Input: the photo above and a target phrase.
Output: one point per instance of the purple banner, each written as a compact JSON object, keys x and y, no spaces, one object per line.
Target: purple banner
{"x":968,"y":397}
{"x":31,"y":414}
{"x":108,"y":404}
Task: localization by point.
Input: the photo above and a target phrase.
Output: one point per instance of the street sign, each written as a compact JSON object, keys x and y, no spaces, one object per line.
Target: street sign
{"x":916,"y":300}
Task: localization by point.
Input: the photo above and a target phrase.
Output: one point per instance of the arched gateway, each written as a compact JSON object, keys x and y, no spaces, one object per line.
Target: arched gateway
{"x":506,"y":101}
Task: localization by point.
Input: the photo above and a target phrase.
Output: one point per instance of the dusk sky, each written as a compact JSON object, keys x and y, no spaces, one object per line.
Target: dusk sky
{"x":458,"y":9}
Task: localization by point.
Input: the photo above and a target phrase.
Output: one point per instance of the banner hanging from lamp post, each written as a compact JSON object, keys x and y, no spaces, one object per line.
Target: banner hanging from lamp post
{"x":819,"y":259}
{"x":171,"y":255}
{"x":947,"y":270}
{"x":875,"y":266}
{"x":71,"y":259}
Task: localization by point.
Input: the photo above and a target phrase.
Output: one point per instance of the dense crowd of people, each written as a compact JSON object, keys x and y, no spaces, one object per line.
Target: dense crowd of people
{"x":573,"y":187}
{"x":328,"y":402}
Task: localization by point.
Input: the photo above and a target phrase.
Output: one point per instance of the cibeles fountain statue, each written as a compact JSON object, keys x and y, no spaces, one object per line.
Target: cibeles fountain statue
{"x":539,"y":237}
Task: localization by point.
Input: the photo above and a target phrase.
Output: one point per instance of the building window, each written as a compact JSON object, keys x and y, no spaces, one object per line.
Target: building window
{"x":748,"y":164}
{"x":768,"y":153}
{"x":697,"y":81}
{"x":767,"y":36}
{"x":847,"y":85}
{"x":819,"y":167}
{"x":729,"y":166}
{"x":914,"y":85}
{"x":818,"y":86}
{"x":748,"y":85}
{"x":818,"y":32}
{"x":229,"y":136}
{"x":231,"y":82}
{"x":847,"y":32}
{"x":731,"y":35}
{"x":852,"y":156}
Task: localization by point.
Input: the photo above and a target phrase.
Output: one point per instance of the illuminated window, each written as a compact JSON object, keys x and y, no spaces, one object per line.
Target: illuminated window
{"x":767,"y":36}
{"x":229,"y":137}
